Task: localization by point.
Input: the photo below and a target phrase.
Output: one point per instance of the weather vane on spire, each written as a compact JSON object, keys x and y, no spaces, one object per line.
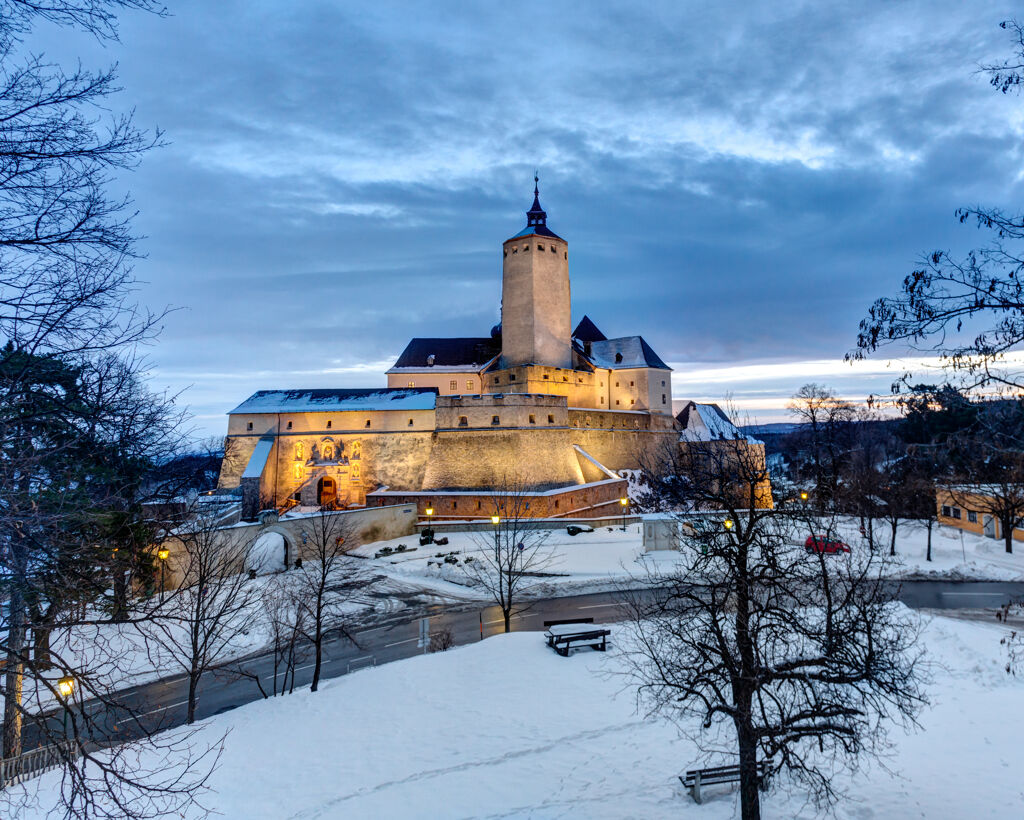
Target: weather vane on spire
{"x":536,"y":181}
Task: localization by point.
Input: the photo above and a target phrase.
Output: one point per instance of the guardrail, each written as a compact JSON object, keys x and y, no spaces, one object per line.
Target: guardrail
{"x":33,"y":763}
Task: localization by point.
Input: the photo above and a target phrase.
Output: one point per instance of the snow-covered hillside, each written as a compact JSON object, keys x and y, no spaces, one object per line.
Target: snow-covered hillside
{"x":506,"y":728}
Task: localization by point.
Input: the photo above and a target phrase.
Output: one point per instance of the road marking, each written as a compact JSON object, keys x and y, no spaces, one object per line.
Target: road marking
{"x":597,"y":606}
{"x":399,"y":643}
{"x":513,"y":618}
{"x":163,"y":708}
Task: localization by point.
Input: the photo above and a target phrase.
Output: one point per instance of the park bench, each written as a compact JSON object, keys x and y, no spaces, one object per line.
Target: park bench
{"x":696,"y":778}
{"x":562,"y":636}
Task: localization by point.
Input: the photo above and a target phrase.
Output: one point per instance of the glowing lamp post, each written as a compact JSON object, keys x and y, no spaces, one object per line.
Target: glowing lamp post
{"x":163,"y":555}
{"x":728,"y":524}
{"x":803,"y":495}
{"x":624,"y":502}
{"x":66,"y":688}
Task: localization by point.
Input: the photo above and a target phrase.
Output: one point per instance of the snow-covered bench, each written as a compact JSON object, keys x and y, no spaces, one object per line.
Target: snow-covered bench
{"x":695,"y":778}
{"x":563,"y":636}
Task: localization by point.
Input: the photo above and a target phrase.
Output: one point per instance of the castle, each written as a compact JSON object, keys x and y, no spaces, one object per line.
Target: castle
{"x":555,"y":410}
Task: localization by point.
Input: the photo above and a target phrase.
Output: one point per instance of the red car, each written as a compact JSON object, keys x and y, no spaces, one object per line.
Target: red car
{"x":822,"y":543}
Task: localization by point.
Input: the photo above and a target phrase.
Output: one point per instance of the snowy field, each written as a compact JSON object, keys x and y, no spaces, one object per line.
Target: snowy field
{"x":506,"y":728}
{"x":609,"y":556}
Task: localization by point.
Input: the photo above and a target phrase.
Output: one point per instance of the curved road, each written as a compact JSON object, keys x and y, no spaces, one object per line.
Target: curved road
{"x":162,"y":703}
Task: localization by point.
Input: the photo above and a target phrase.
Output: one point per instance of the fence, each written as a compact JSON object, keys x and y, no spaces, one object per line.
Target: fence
{"x":31,"y":764}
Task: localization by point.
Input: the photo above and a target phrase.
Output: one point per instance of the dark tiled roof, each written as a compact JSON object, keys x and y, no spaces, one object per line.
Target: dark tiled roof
{"x":627,"y":351}
{"x":449,"y":352}
{"x":538,"y":230}
{"x":586,"y":331}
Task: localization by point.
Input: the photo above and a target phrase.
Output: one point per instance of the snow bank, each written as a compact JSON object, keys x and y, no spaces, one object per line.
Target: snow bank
{"x":506,"y":728}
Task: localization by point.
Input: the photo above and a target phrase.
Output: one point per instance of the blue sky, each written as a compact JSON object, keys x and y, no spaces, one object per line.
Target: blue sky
{"x":737,"y":181}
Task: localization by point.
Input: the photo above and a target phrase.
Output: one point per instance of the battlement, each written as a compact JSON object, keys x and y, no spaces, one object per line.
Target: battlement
{"x":494,"y":411}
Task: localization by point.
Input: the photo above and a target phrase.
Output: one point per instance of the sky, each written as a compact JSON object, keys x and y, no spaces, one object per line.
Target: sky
{"x":737,"y":181}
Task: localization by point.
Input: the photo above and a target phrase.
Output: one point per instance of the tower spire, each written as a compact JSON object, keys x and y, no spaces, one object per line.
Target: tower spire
{"x":536,"y":214}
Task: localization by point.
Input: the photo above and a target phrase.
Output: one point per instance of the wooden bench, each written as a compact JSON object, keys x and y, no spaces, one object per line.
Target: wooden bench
{"x":562,"y":637}
{"x":694,"y":779}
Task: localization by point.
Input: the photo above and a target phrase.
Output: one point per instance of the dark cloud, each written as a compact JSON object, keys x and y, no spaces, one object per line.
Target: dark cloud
{"x":736,"y":184}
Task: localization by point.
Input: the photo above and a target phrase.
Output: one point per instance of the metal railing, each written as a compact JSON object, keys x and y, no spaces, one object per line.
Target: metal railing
{"x":33,"y":763}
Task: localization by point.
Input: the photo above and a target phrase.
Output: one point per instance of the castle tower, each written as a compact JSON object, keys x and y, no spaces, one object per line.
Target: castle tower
{"x":535,"y":310}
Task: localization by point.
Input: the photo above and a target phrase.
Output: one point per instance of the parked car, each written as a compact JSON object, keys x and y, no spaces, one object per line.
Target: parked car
{"x":822,"y":543}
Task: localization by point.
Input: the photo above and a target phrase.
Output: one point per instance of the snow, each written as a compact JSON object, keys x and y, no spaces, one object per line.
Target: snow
{"x":506,"y":728}
{"x":258,"y":459}
{"x":267,"y":554}
{"x":710,"y":424}
{"x":297,"y":401}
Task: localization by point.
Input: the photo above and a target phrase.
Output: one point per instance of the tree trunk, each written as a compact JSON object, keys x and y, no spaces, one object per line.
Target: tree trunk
{"x":14,"y":676}
{"x":120,"y":609}
{"x":928,"y":556}
{"x":750,"y":798}
{"x":1008,"y":538}
{"x":318,"y":655}
{"x":508,"y":619}
{"x":193,"y":685}
{"x":893,"y":524}
{"x":41,"y":647}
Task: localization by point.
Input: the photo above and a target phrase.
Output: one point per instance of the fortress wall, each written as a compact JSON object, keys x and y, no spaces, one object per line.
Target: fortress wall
{"x":623,"y":441}
{"x":489,"y":458}
{"x":578,"y":386}
{"x":512,"y":410}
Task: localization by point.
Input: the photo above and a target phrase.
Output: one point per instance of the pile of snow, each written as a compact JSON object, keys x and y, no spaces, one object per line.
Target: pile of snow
{"x":506,"y":728}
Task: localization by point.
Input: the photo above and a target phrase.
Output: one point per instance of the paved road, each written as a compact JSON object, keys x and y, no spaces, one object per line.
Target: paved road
{"x":163,"y":703}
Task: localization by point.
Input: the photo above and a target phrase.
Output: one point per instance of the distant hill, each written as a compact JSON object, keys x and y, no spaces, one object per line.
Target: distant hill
{"x":780,"y":428}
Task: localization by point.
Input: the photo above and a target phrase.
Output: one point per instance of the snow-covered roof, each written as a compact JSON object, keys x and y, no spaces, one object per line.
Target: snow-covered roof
{"x":624,"y":352}
{"x":258,"y":459}
{"x":309,"y":401}
{"x":707,"y":422}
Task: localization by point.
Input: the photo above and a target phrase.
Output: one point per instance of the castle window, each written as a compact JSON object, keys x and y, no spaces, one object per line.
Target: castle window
{"x":618,"y":358}
{"x":469,"y":385}
{"x":552,"y":248}
{"x":248,"y":426}
{"x":662,"y":382}
{"x":540,"y":247}
{"x":565,"y":378}
{"x":551,"y":419}
{"x":616,"y":401}
{"x":453,"y":385}
{"x":495,"y":420}
{"x":546,"y":376}
{"x":580,"y":380}
{"x":526,"y":247}
{"x":515,"y":250}
{"x":533,"y":419}
{"x":463,"y":421}
{"x":455,"y":504}
{"x":328,"y":424}
{"x":511,"y":377}
{"x":410,"y":422}
{"x":497,"y":379}
{"x":602,"y":399}
{"x":632,"y":402}
{"x":556,"y":504}
{"x":616,"y":384}
{"x":289,"y":425}
{"x":298,"y":449}
{"x":367,"y":422}
{"x":412,"y":384}
{"x":631,"y":384}
{"x":298,"y":471}
{"x":504,"y":253}
{"x":663,"y":399}
{"x":479,"y":505}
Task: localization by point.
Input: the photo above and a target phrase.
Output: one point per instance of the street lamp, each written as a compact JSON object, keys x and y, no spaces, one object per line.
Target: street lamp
{"x":803,"y":495}
{"x":65,"y":688}
{"x":728,"y":523}
{"x":163,"y":555}
{"x":495,"y":519}
{"x":624,"y":502}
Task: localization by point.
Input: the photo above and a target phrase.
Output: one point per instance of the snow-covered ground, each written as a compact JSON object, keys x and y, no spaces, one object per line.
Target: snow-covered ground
{"x":506,"y":728}
{"x":609,"y":556}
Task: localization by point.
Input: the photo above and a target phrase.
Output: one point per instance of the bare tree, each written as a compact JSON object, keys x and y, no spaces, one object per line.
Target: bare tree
{"x":285,"y":614}
{"x":212,"y":607}
{"x":329,"y":581}
{"x":514,"y":555}
{"x":762,"y":651}
{"x":970,"y":309}
{"x":992,"y":483}
{"x":826,"y":420}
